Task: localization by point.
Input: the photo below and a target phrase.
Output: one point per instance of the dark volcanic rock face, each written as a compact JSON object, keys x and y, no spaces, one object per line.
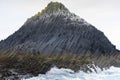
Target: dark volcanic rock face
{"x":56,"y":30}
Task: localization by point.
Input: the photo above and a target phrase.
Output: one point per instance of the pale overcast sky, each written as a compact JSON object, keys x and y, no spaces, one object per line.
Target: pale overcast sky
{"x":104,"y":14}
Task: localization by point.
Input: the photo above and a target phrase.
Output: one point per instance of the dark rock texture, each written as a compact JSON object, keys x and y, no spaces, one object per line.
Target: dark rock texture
{"x":57,"y":30}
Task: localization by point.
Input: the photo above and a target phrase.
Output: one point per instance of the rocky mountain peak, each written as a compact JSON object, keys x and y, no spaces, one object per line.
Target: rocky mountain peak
{"x":56,"y":9}
{"x":53,"y":7}
{"x":56,"y":30}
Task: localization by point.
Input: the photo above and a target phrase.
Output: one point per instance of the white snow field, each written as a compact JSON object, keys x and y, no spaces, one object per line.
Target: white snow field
{"x":113,"y":73}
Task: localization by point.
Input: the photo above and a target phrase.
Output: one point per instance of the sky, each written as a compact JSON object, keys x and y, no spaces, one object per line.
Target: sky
{"x":103,"y":14}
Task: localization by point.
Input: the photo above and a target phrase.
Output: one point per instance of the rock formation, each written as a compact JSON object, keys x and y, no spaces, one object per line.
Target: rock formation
{"x":56,"y":30}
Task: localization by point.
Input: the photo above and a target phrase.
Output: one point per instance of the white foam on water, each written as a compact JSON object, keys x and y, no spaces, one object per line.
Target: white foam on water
{"x":113,"y":73}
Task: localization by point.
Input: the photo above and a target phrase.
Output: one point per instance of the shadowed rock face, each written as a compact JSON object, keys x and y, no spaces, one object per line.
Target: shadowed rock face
{"x":57,"y":30}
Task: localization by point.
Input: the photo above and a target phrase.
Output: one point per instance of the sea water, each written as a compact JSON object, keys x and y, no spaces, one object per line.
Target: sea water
{"x":113,"y":73}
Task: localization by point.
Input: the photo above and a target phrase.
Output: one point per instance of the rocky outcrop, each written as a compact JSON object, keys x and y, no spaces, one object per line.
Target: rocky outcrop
{"x":57,"y":30}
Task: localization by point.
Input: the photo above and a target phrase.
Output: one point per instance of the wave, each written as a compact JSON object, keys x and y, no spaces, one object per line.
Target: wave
{"x":113,"y":73}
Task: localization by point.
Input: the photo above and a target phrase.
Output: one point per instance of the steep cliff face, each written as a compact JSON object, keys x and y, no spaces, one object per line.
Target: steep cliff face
{"x":57,"y":30}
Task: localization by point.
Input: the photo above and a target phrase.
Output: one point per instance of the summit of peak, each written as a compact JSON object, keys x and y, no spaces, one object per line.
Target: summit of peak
{"x":58,"y":9}
{"x":53,"y":6}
